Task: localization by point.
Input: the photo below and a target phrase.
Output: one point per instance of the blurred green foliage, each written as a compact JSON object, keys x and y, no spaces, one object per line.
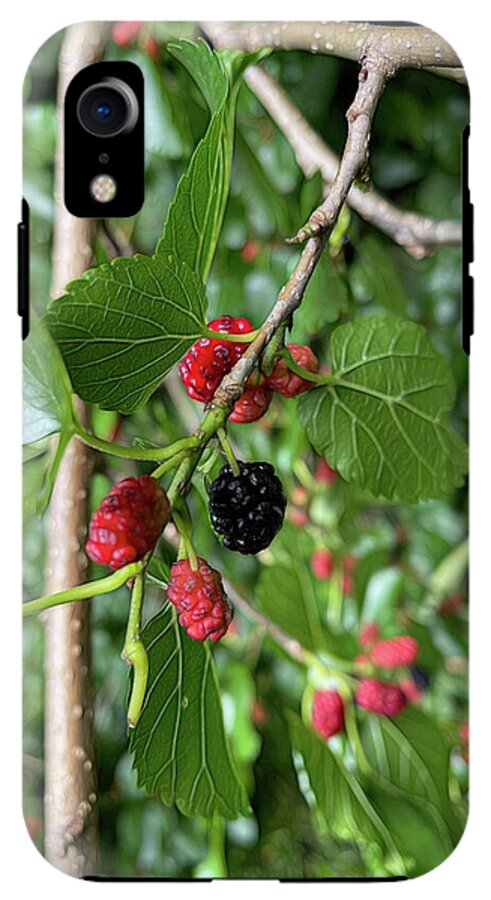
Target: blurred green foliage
{"x":401,"y":549}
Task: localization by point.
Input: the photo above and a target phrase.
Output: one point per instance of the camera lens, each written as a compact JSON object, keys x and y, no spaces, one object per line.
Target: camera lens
{"x":108,"y":108}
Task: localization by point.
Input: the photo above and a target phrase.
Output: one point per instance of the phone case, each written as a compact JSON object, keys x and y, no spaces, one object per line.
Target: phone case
{"x":245,"y":501}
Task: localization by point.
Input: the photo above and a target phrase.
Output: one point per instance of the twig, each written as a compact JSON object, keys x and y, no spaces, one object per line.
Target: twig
{"x":408,"y":46}
{"x":289,"y":644}
{"x":289,"y":299}
{"x":375,"y":71}
{"x":418,"y":234}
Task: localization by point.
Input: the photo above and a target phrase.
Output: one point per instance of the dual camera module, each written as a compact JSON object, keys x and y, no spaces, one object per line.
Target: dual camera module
{"x":104,"y":151}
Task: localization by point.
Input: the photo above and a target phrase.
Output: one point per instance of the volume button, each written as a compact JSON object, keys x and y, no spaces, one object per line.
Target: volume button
{"x":23,"y":269}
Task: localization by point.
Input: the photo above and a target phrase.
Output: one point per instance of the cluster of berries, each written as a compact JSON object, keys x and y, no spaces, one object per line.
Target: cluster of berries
{"x":127,"y":526}
{"x":246,"y":510}
{"x":124,"y":34}
{"x":322,"y":564}
{"x":384,"y":698}
{"x":393,"y":653}
{"x":210,"y":359}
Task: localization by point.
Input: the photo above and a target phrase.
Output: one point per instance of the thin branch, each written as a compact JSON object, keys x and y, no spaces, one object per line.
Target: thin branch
{"x":418,"y":234}
{"x":289,"y":644}
{"x":408,"y":46}
{"x":289,"y":299}
{"x":375,"y":71}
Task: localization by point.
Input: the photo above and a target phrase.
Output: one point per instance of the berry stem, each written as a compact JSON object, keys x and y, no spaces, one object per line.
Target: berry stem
{"x":304,"y":373}
{"x":245,"y":338}
{"x":186,"y":539}
{"x":227,"y":449}
{"x":134,"y":653}
{"x":353,"y":733}
{"x":273,"y":350}
{"x":142,"y":453}
{"x":169,"y":464}
{"x":83,"y":591}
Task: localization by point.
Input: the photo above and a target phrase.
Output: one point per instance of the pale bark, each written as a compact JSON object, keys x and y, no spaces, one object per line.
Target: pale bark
{"x":407,"y":46}
{"x":418,"y":234}
{"x":70,"y":772}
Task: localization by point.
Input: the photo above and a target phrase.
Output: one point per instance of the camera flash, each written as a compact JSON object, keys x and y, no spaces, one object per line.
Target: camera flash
{"x":103,"y":188}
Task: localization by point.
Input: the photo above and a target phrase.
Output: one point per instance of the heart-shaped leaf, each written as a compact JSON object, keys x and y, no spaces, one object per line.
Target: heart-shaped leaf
{"x":383,"y":422}
{"x":123,"y":326}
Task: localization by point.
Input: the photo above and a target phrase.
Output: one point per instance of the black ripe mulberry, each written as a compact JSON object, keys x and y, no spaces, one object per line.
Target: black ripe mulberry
{"x":247,"y":510}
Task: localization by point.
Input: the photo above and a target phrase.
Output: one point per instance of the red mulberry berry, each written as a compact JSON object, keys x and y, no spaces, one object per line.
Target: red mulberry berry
{"x":253,"y":404}
{"x":410,"y":690}
{"x":299,"y":518}
{"x":209,"y":360}
{"x":380,"y":697}
{"x":249,"y":251}
{"x":203,"y":607}
{"x":369,"y":633}
{"x":124,"y":33}
{"x":128,"y":522}
{"x":284,"y":381}
{"x":300,"y":496}
{"x":152,"y":48}
{"x":322,"y":564}
{"x":397,"y":651}
{"x":328,"y":713}
{"x":324,"y":473}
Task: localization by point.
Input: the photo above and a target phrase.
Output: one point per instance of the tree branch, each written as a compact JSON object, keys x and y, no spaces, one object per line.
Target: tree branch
{"x":418,"y":234}
{"x":375,"y":71}
{"x":70,"y":772}
{"x":289,"y":299}
{"x":289,"y":644}
{"x":407,"y":46}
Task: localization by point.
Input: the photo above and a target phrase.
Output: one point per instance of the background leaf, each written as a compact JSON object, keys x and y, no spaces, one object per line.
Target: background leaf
{"x":122,"y":327}
{"x":410,"y":754}
{"x":179,"y":744}
{"x":344,"y":804}
{"x":374,"y":276}
{"x":287,"y":597}
{"x":195,"y":216}
{"x":47,"y":392}
{"x":384,"y":424}
{"x":411,"y":833}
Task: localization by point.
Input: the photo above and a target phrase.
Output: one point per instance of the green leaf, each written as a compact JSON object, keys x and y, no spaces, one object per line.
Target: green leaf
{"x":326,"y":297}
{"x":206,"y":69}
{"x":416,"y":829}
{"x":286,"y":595}
{"x":179,"y":744}
{"x":410,"y":832}
{"x":383,"y":422}
{"x":238,"y":698}
{"x":383,"y":590}
{"x":346,"y":807}
{"x":195,"y":216}
{"x":47,"y":392}
{"x":374,"y":276}
{"x":409,"y":753}
{"x":123,"y":326}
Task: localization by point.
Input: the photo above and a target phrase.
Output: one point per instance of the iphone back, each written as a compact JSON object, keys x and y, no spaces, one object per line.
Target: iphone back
{"x":246,"y":320}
